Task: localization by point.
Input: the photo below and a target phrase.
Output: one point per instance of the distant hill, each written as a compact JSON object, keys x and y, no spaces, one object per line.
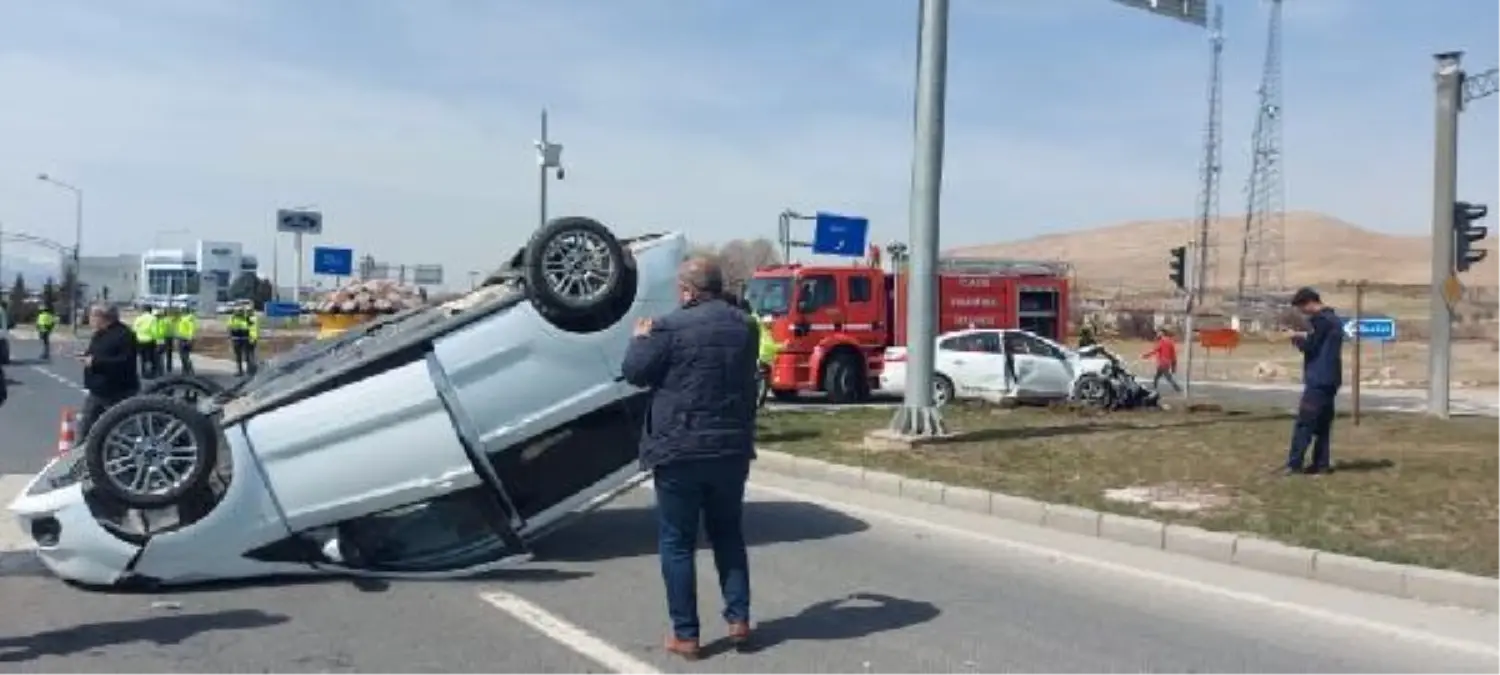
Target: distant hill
{"x":34,"y":272}
{"x":1320,"y":249}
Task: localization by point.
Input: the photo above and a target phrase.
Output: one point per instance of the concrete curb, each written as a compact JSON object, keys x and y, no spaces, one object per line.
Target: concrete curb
{"x":1405,"y":581}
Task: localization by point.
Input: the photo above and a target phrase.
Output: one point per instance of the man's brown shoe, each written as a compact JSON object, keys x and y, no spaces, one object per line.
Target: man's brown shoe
{"x":739,"y":632}
{"x":687,"y":649}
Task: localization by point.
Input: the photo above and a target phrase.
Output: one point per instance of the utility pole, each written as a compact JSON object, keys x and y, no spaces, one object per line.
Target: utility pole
{"x":917,"y":415}
{"x":1208,"y":196}
{"x":548,"y":156}
{"x":1449,"y":88}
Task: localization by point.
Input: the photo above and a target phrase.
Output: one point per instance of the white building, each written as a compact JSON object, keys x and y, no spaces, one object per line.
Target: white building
{"x":175,"y":275}
{"x":112,"y":278}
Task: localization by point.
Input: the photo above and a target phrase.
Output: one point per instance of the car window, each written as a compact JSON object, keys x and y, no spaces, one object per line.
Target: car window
{"x":1031,"y":345}
{"x":988,"y":341}
{"x":817,"y":292}
{"x":969,"y":342}
{"x":859,"y":289}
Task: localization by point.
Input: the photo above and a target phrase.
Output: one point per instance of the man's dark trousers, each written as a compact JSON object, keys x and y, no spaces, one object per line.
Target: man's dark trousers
{"x":710,"y":491}
{"x":168,"y":349}
{"x":94,"y":405}
{"x":1314,"y":426}
{"x":146,"y":352}
{"x":46,"y":338}
{"x":185,"y":354}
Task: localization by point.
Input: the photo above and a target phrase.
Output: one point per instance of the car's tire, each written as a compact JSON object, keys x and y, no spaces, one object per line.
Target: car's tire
{"x":843,"y":379}
{"x":576,"y":272}
{"x":4,"y":352}
{"x":176,"y":436}
{"x":1093,"y":390}
{"x":188,"y":388}
{"x":942,"y":390}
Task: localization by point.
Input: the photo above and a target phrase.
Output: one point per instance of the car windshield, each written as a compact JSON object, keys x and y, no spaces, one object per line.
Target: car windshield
{"x":769,"y":295}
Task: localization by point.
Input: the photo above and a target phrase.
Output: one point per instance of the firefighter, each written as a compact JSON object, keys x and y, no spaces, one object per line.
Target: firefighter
{"x":46,"y":321}
{"x":186,"y":329}
{"x":166,"y":337}
{"x":144,"y":328}
{"x":244,"y":333}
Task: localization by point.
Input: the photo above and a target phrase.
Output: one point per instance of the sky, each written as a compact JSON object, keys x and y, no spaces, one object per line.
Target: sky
{"x":410,"y":123}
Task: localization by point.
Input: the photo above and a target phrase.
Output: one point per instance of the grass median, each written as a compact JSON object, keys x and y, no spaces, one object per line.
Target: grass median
{"x":1406,"y":489}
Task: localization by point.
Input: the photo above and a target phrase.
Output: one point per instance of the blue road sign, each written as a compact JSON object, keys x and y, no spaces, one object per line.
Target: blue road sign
{"x":282,"y":309}
{"x":1372,"y":329}
{"x":840,"y":235}
{"x":334,"y":262}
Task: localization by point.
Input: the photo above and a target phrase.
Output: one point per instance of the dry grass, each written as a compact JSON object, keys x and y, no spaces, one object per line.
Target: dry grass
{"x":217,"y":346}
{"x":1408,"y":489}
{"x":1475,"y":363}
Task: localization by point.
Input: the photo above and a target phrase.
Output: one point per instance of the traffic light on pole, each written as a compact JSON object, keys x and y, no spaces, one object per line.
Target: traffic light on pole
{"x":1179,"y":267}
{"x":1466,"y":232}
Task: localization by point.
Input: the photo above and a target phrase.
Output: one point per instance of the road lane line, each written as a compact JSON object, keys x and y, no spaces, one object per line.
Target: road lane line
{"x":566,"y":633}
{"x":1158,"y":577}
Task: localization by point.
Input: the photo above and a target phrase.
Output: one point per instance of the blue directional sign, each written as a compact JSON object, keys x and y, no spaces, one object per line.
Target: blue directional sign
{"x":1372,"y":329}
{"x":282,"y":309}
{"x":334,"y":262}
{"x":840,"y":235}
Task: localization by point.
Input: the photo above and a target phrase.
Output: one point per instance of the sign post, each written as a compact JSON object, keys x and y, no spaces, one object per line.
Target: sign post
{"x":333,"y":262}
{"x":299,"y":223}
{"x":846,"y":236}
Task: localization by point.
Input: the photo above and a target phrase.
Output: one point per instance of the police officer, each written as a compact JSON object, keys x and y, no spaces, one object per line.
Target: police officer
{"x":144,"y":328}
{"x":166,"y":337}
{"x":46,"y":321}
{"x":186,"y":329}
{"x":244,"y":333}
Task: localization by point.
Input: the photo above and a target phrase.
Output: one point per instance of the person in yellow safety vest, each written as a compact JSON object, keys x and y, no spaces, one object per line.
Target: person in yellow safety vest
{"x":144,"y":328}
{"x":186,"y":330}
{"x":45,"y":322}
{"x":244,"y":333}
{"x":769,"y":348}
{"x":165,"y":328}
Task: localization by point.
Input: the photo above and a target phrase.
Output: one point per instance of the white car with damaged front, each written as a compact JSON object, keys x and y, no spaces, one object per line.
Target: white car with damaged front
{"x":970,"y":364}
{"x":438,"y":442}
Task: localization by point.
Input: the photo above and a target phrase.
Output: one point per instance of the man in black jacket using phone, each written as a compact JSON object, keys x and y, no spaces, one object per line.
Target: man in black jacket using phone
{"x":109,"y":370}
{"x":1322,"y":375}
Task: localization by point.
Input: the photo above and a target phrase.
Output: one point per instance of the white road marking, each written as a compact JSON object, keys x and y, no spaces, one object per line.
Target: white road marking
{"x":1157,"y":577}
{"x":59,"y":378}
{"x":567,"y":634}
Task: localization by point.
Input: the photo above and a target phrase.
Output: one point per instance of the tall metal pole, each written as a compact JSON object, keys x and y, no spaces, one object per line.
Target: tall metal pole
{"x":917,"y":415}
{"x":1449,"y":85}
{"x":78,"y":311}
{"x":541,"y":170}
{"x":1208,"y":199}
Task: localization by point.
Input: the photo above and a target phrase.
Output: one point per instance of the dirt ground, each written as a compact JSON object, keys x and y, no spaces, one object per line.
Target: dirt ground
{"x":1406,"y":489}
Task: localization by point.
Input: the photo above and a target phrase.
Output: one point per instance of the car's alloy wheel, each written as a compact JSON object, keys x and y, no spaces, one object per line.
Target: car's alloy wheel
{"x":150,"y":451}
{"x":578,"y":265}
{"x":942,"y":391}
{"x":1092,"y":390}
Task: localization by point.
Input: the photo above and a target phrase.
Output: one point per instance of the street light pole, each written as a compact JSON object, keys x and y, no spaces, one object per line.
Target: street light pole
{"x":548,"y":156}
{"x":77,"y":299}
{"x":917,"y":415}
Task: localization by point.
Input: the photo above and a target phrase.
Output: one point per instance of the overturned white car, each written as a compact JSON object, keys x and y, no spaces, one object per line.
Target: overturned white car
{"x":440,"y":441}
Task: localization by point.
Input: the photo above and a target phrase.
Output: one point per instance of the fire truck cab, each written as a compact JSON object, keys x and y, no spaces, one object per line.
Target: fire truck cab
{"x":832,"y":326}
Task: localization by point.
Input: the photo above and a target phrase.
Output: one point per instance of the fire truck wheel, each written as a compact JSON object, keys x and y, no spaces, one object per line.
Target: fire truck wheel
{"x":842,"y":379}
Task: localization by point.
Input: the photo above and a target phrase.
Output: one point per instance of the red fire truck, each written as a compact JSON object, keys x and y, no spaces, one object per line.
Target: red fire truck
{"x":835,"y":322}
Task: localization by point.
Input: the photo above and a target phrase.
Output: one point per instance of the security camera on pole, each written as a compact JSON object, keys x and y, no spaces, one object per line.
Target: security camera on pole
{"x":299,"y":222}
{"x":548,"y":156}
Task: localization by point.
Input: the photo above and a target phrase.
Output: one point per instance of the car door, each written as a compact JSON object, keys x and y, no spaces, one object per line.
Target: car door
{"x":374,"y":476}
{"x":1042,"y":369}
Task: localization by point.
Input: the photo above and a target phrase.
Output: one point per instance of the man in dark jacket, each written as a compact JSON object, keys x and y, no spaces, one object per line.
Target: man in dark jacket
{"x":699,"y":363}
{"x":109,"y":366}
{"x":1322,"y":375}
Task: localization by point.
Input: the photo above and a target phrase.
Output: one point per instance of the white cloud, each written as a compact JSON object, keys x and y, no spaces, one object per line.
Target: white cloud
{"x":421,"y":150}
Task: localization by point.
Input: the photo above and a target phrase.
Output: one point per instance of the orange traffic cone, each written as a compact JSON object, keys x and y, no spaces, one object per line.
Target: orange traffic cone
{"x":65,"y":431}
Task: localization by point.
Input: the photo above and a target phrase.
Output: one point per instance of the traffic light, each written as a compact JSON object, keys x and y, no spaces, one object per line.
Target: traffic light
{"x":1179,"y":267}
{"x":1465,"y":233}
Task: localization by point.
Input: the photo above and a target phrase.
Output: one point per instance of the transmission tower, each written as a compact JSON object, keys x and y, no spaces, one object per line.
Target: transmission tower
{"x":1209,"y":172}
{"x":1262,"y":260}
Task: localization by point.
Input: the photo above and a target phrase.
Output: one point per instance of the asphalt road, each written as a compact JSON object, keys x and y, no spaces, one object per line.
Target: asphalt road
{"x":844,"y":582}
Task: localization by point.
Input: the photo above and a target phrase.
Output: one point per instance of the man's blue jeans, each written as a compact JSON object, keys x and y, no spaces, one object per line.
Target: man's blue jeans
{"x":1315,"y":413}
{"x":711,"y":492}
